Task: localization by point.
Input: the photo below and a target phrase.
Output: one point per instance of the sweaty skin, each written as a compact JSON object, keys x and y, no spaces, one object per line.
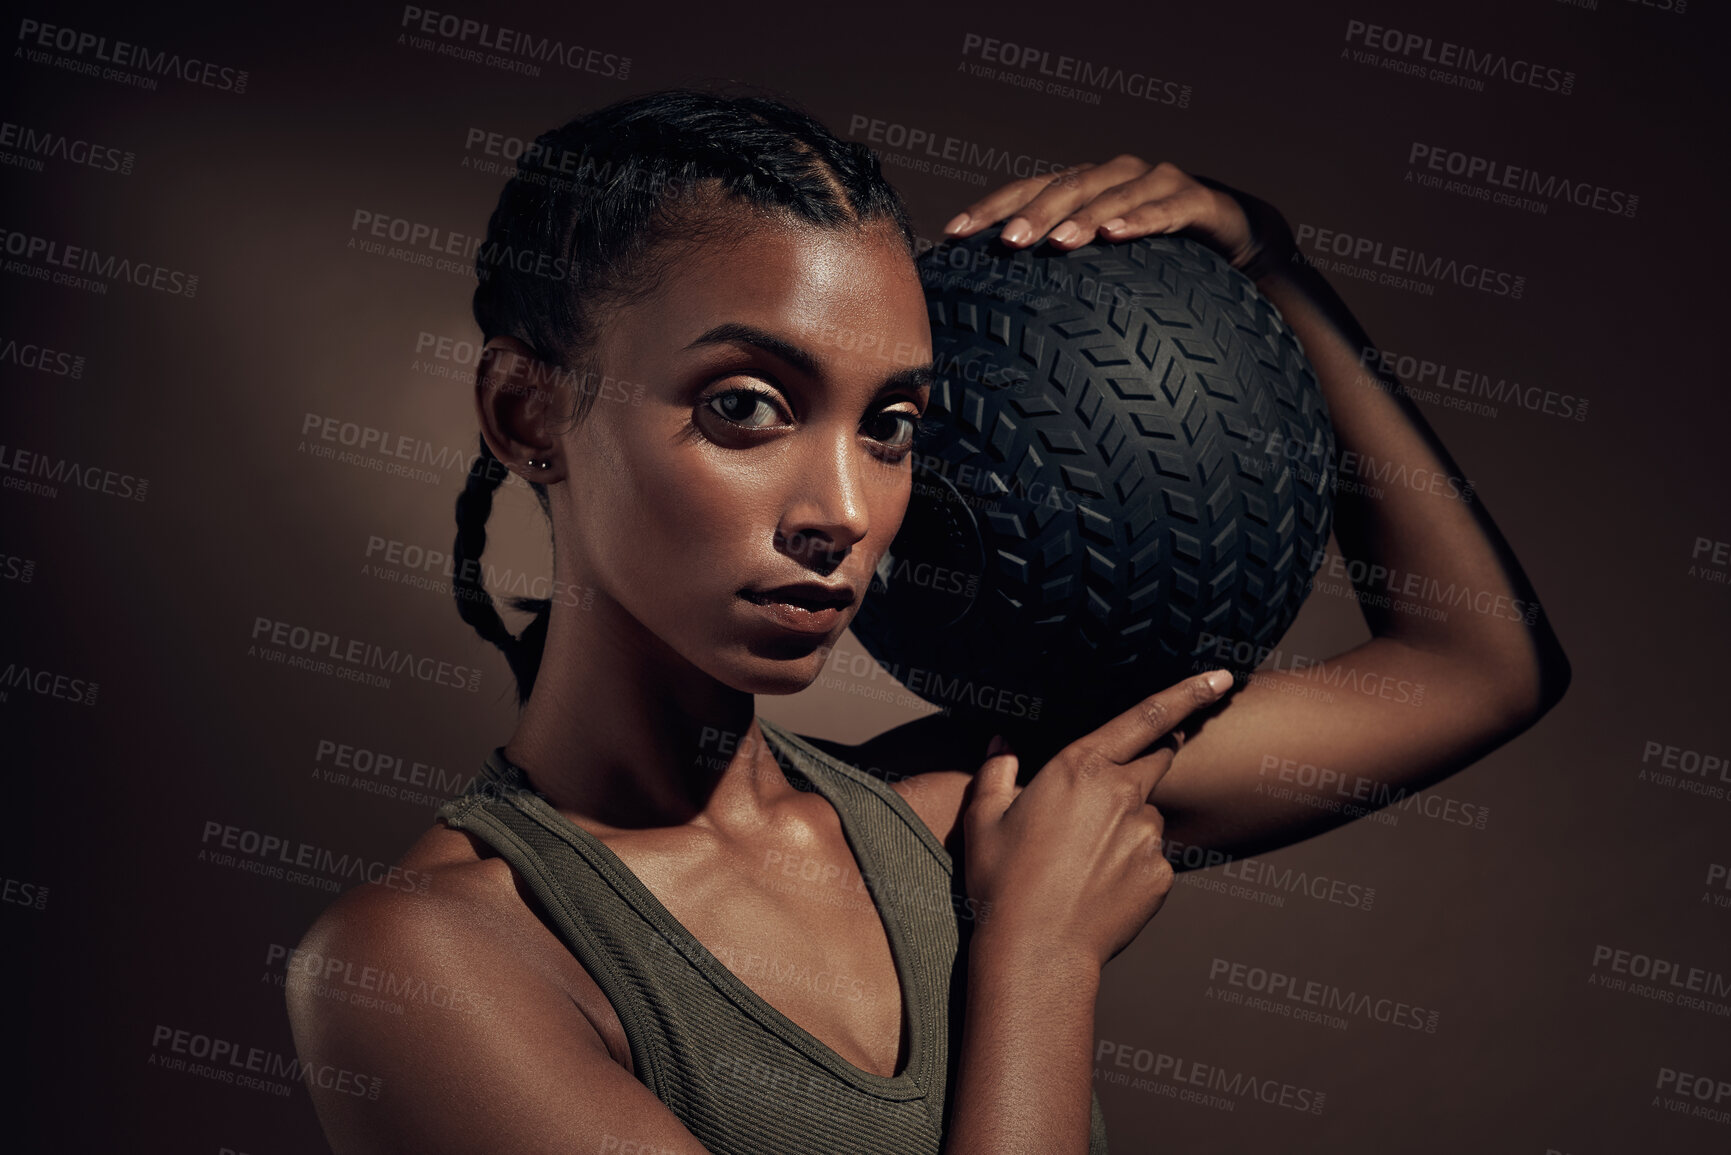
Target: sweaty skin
{"x":667,"y":511}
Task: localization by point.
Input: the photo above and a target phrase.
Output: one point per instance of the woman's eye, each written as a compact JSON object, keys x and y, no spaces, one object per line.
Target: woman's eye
{"x":893,"y":427}
{"x":748,"y":407}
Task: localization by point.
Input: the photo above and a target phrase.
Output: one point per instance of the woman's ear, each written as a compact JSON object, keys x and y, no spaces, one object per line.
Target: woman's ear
{"x":520,"y":400}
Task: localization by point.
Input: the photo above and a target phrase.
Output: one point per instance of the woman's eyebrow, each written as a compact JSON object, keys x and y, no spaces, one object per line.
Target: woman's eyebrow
{"x":741,"y":333}
{"x":917,"y":377}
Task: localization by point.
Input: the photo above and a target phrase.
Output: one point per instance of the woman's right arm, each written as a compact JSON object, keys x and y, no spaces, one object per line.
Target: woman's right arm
{"x":1068,"y":870}
{"x":489,"y":1054}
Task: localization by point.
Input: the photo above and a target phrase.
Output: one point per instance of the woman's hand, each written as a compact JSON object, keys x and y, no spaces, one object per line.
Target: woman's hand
{"x":1126,"y":198}
{"x":1073,"y":861}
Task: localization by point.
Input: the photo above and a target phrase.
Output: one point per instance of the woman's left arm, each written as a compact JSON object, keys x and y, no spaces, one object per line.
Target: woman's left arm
{"x":1429,"y":693}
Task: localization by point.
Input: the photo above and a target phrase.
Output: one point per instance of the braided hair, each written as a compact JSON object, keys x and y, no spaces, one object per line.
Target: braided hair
{"x":590,"y":220}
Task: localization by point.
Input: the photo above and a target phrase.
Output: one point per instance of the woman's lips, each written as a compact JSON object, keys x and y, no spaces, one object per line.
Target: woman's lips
{"x":797,"y":612}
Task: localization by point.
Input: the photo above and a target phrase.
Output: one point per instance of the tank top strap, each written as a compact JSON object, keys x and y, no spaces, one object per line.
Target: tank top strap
{"x":577,"y":894}
{"x":880,"y":808}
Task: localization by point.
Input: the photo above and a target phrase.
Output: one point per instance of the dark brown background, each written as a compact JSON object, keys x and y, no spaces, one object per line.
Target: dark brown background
{"x":1494,"y":929}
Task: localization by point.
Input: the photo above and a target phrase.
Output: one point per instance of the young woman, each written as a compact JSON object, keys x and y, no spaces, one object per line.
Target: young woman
{"x":664,"y":924}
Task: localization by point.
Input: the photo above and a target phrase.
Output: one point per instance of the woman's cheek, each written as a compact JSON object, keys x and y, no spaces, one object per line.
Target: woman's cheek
{"x":710,"y":522}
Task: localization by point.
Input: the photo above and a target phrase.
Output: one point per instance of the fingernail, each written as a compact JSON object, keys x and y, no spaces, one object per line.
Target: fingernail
{"x":957,"y":223}
{"x":1065,"y":232}
{"x":1017,"y":231}
{"x":1113,"y":225}
{"x":996,"y":746}
{"x":1219,"y":681}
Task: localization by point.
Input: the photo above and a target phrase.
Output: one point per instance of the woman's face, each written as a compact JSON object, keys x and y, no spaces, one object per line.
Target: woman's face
{"x":782,"y":371}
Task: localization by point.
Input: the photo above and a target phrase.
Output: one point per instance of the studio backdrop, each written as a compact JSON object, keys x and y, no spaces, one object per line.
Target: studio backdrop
{"x":237,"y":363}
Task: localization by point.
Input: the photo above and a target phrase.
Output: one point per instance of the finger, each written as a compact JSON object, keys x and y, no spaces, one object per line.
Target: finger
{"x":1147,"y":771}
{"x":1081,"y":225}
{"x":1181,"y":210}
{"x":1130,"y":733}
{"x":994,"y":785}
{"x":1039,"y":195}
{"x":1000,"y":203}
{"x":1058,"y":200}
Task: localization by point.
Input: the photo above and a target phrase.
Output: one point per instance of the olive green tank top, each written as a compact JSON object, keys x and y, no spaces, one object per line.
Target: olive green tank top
{"x":741,"y":1076}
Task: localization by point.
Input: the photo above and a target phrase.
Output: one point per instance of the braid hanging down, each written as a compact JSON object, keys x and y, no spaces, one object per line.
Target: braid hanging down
{"x":475,"y":604}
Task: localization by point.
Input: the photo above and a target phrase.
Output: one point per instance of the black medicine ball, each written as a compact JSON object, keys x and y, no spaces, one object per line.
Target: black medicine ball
{"x":1128,"y":477}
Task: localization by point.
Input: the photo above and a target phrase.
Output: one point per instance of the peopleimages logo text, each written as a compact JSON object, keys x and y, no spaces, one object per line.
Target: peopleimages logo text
{"x":510,"y":42}
{"x":1502,"y":175}
{"x":123,"y":54}
{"x":66,"y":471}
{"x":1448,"y":55}
{"x":45,"y":143}
{"x":83,"y":259}
{"x":278,"y":850}
{"x":229,"y":1062}
{"x":1362,"y":251}
{"x":358,"y":653}
{"x":1085,"y":73}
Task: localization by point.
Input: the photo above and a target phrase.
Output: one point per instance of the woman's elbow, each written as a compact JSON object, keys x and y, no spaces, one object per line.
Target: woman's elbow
{"x":1554,"y":675}
{"x":1527,"y":685}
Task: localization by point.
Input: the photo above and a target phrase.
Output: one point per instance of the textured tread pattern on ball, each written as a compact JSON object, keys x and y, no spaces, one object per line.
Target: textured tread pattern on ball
{"x":1149,"y":460}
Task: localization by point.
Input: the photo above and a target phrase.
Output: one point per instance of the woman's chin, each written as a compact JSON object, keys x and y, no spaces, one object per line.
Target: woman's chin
{"x":779,"y":676}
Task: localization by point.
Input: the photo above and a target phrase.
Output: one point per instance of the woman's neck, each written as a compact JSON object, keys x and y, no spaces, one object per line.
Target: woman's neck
{"x":623,"y":730}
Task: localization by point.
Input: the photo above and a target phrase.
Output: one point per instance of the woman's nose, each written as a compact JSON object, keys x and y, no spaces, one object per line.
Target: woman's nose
{"x":826,"y":511}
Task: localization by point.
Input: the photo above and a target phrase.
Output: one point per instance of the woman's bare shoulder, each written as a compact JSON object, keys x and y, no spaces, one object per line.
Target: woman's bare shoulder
{"x":460,"y":1016}
{"x":442,"y":885}
{"x":447,"y":904}
{"x":454,"y":918}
